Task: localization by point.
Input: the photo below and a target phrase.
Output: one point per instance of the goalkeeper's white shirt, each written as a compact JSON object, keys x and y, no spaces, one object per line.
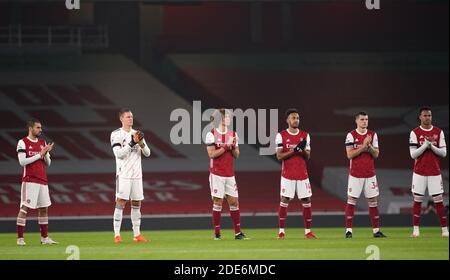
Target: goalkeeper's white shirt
{"x":128,"y":160}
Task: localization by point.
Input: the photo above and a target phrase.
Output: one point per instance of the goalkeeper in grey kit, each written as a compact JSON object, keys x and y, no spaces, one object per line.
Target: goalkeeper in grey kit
{"x":128,"y":145}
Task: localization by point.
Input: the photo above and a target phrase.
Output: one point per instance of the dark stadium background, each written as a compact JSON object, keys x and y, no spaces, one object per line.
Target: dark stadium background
{"x":74,"y":69}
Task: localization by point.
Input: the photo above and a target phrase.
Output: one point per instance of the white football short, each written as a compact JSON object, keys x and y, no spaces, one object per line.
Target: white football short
{"x":357,"y":185}
{"x":288,"y":188}
{"x":129,"y":189}
{"x":221,"y":186}
{"x":434,"y":184}
{"x":34,"y":195}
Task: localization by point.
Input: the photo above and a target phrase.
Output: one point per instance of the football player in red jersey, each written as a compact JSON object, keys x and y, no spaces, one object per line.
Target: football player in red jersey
{"x":427,"y":146}
{"x":362,"y":150}
{"x":34,"y":156}
{"x":293,"y":150}
{"x":223,"y":149}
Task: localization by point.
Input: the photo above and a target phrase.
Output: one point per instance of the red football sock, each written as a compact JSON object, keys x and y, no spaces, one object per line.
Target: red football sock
{"x":417,"y":208}
{"x":44,"y":230}
{"x":282,"y":214}
{"x":440,"y":211}
{"x":20,"y":231}
{"x":20,"y":227}
{"x":236,"y":218}
{"x":349,"y":214}
{"x":307,"y":215}
{"x":43,"y":224}
{"x":374,"y":217}
{"x":216,"y":213}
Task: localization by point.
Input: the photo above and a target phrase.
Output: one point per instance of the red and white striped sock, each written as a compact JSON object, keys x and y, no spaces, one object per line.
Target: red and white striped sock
{"x":43,"y":225}
{"x":21,"y":227}
{"x":216,"y":213}
{"x":440,"y":210}
{"x":307,"y":217}
{"x":21,"y":222}
{"x":417,"y":209}
{"x":282,"y":215}
{"x":349,"y":214}
{"x":236,"y":218}
{"x":374,"y":216}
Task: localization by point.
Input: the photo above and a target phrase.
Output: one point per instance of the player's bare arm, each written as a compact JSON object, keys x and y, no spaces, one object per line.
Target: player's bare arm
{"x":215,"y":153}
{"x":47,"y":159}
{"x":306,"y":154}
{"x":352,"y":152}
{"x":235,"y":152}
{"x":285,"y":155}
{"x":375,"y":152}
{"x":45,"y":150}
{"x":231,"y":145}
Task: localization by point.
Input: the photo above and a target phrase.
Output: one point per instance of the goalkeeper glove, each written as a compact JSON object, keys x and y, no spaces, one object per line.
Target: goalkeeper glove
{"x":300,"y":146}
{"x":136,"y":138}
{"x":132,"y":142}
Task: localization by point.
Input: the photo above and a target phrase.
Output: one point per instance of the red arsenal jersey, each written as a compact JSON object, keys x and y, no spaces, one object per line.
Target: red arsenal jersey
{"x":223,"y":165}
{"x":293,"y":168}
{"x":362,"y":166}
{"x":34,"y":172}
{"x":428,"y":163}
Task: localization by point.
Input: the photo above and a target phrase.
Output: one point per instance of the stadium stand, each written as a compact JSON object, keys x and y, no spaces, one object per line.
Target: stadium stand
{"x":327,"y":66}
{"x":78,"y":106}
{"x":328,"y":88}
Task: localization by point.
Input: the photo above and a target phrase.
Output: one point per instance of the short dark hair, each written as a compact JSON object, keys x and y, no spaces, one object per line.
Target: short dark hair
{"x":219,"y":114}
{"x":31,"y":122}
{"x":123,"y":111}
{"x":360,"y":113}
{"x":290,"y":111}
{"x":424,"y":108}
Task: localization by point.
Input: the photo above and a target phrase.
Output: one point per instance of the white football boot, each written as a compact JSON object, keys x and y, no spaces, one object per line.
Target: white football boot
{"x":48,"y":241}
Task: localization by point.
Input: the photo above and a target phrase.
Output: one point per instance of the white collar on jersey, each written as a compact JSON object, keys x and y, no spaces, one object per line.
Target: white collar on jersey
{"x":131,"y":130}
{"x":34,"y":141}
{"x":360,"y":132}
{"x":430,"y":129}
{"x":222,"y":133}
{"x":298,"y":131}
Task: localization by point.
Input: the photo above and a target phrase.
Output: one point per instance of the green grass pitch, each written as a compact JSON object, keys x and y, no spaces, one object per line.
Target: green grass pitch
{"x":263,"y":245}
